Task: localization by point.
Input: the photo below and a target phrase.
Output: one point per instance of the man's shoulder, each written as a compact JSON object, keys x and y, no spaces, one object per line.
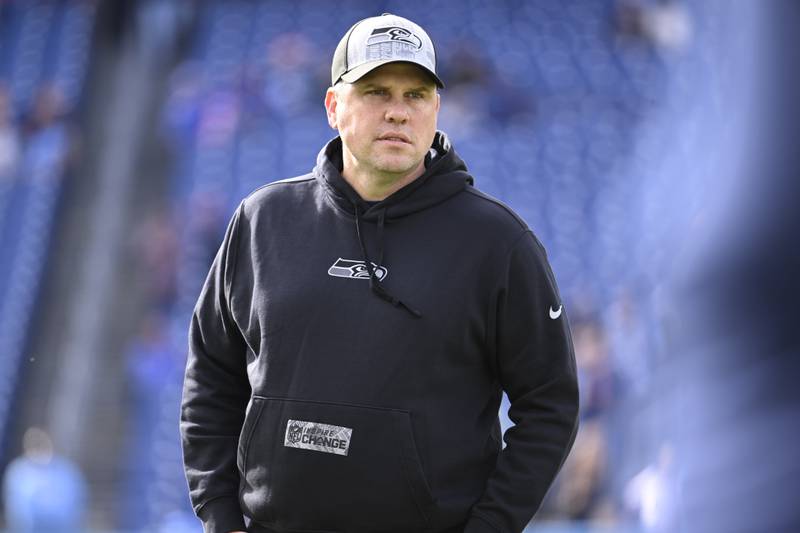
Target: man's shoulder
{"x":279,"y":191}
{"x":496,"y":222}
{"x":486,"y":209}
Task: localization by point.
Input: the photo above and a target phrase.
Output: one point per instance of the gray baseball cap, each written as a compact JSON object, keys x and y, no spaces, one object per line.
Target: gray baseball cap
{"x":375,"y":41}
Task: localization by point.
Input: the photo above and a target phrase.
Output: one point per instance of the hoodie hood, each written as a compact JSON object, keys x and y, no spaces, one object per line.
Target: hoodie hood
{"x":445,"y":175}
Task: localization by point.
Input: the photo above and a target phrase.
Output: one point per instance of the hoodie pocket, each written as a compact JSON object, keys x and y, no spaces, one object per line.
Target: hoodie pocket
{"x":309,"y":465}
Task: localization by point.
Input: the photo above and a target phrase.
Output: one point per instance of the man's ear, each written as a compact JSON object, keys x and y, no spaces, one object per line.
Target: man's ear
{"x":330,"y":106}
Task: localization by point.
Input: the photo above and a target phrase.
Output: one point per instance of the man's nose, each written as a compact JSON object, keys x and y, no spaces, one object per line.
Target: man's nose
{"x":397,"y":112}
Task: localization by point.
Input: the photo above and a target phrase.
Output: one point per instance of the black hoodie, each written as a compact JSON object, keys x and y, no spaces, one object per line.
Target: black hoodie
{"x":347,"y":359}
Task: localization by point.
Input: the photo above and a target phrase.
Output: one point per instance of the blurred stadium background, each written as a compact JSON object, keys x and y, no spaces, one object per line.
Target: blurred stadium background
{"x":624,"y":131}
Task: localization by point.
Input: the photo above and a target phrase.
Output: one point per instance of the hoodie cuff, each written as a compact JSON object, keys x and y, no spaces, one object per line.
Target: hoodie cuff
{"x":477,"y":524}
{"x":222,"y":515}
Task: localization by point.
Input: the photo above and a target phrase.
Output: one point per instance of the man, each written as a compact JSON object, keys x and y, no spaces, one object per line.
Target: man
{"x":359,"y":323}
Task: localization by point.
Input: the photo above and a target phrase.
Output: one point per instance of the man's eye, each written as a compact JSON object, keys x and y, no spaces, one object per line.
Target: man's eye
{"x":415,"y":95}
{"x":378,"y":92}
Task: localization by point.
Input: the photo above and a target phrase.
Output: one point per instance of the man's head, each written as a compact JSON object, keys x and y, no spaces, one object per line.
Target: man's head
{"x":385,"y":102}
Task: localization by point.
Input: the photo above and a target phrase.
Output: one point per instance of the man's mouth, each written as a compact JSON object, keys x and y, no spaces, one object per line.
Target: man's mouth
{"x":395,"y":138}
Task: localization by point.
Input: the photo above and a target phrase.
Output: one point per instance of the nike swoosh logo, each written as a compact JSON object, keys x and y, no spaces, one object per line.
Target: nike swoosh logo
{"x":555,"y":313}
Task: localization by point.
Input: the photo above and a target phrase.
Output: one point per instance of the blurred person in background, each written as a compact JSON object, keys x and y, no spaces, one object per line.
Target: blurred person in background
{"x":43,"y":492}
{"x":9,"y":140}
{"x":663,"y":23}
{"x":155,"y":244}
{"x":596,"y":378}
{"x":581,"y":492}
{"x":46,"y":135}
{"x":183,"y":108}
{"x":153,"y":363}
{"x":653,"y":494}
{"x":206,"y":224}
{"x":359,"y":324}
{"x":292,"y":81}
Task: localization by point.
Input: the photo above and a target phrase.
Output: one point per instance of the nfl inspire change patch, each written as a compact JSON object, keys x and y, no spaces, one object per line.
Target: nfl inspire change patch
{"x":318,"y":437}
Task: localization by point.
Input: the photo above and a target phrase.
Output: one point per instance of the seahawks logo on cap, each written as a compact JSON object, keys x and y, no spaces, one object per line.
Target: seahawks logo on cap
{"x":394,"y":34}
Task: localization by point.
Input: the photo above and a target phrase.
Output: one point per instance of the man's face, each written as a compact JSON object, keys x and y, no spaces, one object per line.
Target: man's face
{"x":386,"y":120}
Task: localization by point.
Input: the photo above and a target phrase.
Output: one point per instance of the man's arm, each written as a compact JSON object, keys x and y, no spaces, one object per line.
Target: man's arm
{"x":535,"y":362}
{"x":215,"y":394}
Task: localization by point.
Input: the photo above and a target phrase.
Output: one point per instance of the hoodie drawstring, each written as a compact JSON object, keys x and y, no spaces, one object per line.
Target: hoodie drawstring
{"x":374,"y":282}
{"x":381,"y":219}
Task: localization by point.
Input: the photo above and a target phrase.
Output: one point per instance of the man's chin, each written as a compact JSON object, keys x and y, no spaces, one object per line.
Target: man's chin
{"x":398,"y":167}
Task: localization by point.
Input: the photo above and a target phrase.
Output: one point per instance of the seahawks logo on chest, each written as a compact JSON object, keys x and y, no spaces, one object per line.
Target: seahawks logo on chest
{"x":349,"y":268}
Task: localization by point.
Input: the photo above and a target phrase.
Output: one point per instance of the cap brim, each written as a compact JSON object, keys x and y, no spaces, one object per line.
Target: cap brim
{"x":360,"y":71}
